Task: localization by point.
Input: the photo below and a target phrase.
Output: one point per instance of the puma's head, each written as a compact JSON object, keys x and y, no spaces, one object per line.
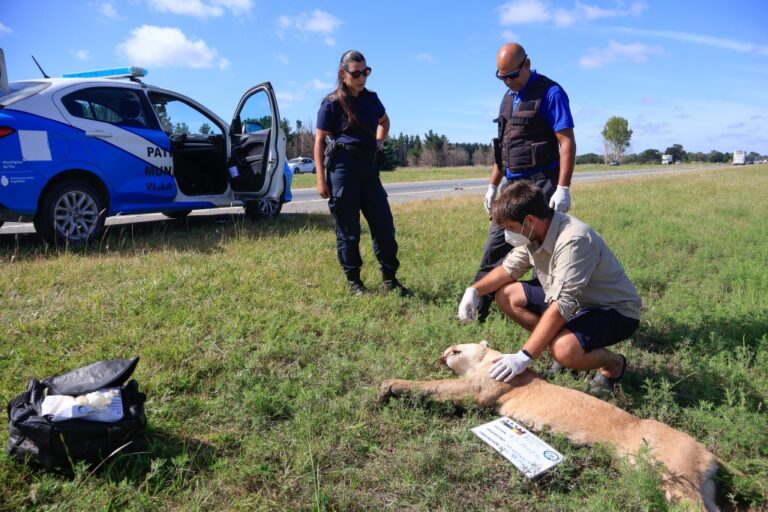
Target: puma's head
{"x":464,"y":358}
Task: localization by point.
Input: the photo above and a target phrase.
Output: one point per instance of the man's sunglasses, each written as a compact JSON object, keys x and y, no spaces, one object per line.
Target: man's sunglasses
{"x":512,"y":74}
{"x":357,"y":73}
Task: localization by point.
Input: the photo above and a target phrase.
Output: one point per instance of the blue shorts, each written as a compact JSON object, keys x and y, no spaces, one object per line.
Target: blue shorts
{"x":593,"y":327}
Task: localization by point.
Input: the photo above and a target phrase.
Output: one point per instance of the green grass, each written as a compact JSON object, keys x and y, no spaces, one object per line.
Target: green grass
{"x":402,"y":174}
{"x":261,"y":372}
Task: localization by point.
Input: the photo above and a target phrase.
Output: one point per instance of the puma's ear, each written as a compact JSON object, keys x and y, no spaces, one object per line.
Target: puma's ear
{"x":485,"y":343}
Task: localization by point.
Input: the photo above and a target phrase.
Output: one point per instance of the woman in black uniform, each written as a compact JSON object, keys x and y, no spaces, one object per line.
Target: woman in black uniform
{"x":355,"y":124}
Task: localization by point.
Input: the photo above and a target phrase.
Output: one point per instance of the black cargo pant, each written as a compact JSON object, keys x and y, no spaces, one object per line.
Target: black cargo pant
{"x":496,"y":248}
{"x":356,"y":187}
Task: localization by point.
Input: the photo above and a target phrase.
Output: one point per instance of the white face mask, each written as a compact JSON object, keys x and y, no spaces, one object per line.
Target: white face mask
{"x":517,"y":239}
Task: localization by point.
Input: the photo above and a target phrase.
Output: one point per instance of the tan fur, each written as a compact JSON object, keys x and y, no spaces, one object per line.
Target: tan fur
{"x":578,"y":416}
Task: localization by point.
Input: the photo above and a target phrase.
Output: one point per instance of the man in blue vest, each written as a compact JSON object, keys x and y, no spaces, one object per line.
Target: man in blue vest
{"x":535,"y":142}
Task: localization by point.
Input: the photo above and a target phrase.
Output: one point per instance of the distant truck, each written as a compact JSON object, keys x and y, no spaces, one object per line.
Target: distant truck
{"x":667,"y":159}
{"x":739,"y":157}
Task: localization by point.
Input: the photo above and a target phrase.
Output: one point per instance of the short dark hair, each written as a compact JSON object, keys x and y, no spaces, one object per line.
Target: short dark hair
{"x":519,"y":199}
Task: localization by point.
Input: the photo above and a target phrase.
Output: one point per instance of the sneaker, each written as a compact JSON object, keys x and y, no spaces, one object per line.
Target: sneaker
{"x":556,"y":368}
{"x":553,"y":370}
{"x":393,"y":284}
{"x":602,"y":384}
{"x":357,"y":288}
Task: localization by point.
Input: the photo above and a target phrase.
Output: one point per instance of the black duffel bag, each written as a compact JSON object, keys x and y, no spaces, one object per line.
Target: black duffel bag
{"x":56,"y":444}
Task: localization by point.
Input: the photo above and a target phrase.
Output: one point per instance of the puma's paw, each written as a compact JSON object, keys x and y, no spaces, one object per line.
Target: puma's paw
{"x":386,"y":391}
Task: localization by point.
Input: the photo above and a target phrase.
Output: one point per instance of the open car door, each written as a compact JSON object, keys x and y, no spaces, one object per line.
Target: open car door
{"x":254,"y":135}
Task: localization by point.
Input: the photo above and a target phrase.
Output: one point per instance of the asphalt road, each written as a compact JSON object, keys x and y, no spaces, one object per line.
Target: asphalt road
{"x":307,"y":200}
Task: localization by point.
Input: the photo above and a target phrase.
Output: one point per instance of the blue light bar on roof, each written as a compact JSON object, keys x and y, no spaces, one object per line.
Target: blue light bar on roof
{"x":125,"y":72}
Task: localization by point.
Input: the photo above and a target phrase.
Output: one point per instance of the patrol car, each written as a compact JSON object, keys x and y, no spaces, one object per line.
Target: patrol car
{"x":76,"y":149}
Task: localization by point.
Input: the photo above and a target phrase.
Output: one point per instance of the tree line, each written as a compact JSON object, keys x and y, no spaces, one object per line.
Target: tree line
{"x":429,"y":150}
{"x":435,"y":150}
{"x":617,"y":136}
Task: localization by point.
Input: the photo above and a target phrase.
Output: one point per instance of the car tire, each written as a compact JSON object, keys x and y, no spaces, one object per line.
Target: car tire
{"x":314,"y":170}
{"x":266,"y":208}
{"x":72,"y":212}
{"x":177,"y":214}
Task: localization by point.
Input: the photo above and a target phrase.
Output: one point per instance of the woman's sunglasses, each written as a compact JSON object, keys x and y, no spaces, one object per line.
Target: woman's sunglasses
{"x":357,"y":73}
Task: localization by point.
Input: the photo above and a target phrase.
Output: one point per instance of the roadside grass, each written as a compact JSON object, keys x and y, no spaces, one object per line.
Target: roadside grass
{"x":402,"y":174}
{"x":262,"y":373}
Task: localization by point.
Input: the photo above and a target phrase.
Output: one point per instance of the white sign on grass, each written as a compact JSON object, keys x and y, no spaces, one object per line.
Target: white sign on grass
{"x":527,"y":452}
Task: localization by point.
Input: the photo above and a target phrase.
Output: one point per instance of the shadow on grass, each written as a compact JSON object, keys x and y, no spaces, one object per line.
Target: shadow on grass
{"x":200,"y":233}
{"x":739,"y":337}
{"x":168,"y":461}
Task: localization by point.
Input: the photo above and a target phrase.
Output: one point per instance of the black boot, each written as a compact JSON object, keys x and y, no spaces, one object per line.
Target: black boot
{"x":357,"y":288}
{"x":484,"y":308}
{"x":393,"y":284}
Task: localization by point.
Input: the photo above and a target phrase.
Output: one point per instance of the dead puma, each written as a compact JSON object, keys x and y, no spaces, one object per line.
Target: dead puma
{"x":581,"y":418}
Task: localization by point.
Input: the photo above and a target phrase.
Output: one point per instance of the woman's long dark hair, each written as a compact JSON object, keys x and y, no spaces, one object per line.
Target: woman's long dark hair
{"x":342,"y":92}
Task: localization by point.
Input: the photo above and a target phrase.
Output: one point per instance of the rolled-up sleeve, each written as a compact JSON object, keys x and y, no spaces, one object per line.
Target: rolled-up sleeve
{"x":517,"y":262}
{"x":573,"y":264}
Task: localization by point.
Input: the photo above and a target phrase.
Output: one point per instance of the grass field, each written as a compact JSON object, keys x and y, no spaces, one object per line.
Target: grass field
{"x":261,"y":372}
{"x":402,"y":174}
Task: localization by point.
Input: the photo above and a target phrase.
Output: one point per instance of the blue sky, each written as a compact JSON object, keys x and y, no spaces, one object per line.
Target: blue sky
{"x":680,"y":71}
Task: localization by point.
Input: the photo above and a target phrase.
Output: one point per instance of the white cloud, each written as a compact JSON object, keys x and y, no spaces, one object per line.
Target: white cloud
{"x":517,"y":12}
{"x":202,"y":8}
{"x":317,"y":22}
{"x":289,"y":98}
{"x":636,"y":52}
{"x":107,"y":11}
{"x":168,"y":47}
{"x":319,"y":85}
{"x":81,"y":54}
{"x":281,"y":57}
{"x":523,"y":11}
{"x":426,"y":57}
{"x":649,"y":128}
{"x":508,"y":35}
{"x":719,"y":42}
{"x":4,"y":29}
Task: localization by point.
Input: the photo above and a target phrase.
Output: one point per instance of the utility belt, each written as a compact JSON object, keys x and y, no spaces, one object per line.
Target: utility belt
{"x":367,"y":154}
{"x":535,"y":176}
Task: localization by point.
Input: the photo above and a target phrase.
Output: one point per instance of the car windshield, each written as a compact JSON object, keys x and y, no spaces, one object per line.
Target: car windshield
{"x":21,"y":90}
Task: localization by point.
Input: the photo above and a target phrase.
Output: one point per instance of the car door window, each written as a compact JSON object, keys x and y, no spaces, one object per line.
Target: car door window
{"x":112,"y":105}
{"x":179,"y":118}
{"x":255,"y":115}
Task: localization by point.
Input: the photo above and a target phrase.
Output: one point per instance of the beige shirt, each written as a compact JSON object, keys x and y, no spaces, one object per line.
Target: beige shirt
{"x":576,"y":269}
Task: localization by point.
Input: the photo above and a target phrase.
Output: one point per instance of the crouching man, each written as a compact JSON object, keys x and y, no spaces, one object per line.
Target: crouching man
{"x":580,"y":302}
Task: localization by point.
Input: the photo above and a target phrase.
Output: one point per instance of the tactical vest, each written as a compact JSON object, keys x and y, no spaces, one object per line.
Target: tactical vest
{"x":527,"y":141}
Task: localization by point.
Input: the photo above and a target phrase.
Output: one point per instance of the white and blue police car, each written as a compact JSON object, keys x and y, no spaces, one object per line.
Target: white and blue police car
{"x":76,"y":149}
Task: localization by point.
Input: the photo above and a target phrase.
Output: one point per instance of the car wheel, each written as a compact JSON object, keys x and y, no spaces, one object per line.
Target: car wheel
{"x":266,"y":208}
{"x":72,"y":212}
{"x":314,"y":170}
{"x":177,"y":214}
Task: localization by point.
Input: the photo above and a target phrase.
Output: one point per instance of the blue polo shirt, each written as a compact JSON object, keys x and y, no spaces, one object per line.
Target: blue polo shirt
{"x":555,"y":110}
{"x":368,"y":109}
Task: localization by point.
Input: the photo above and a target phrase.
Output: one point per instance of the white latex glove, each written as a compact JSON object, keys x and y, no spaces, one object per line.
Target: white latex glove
{"x":509,"y":365}
{"x":489,"y":197}
{"x":468,"y":305}
{"x":561,"y":199}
